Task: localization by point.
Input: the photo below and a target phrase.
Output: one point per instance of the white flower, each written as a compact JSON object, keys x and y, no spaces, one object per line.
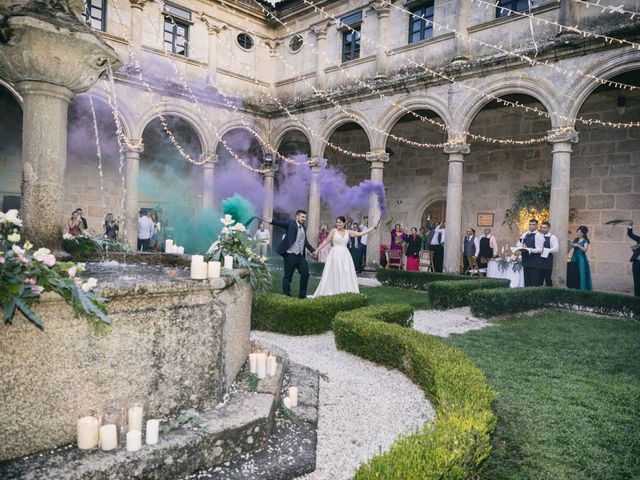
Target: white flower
{"x":11,"y":217}
{"x":14,"y":237}
{"x":89,"y":285}
{"x":67,"y":236}
{"x":72,"y":271}
{"x":17,"y":250}
{"x":226,"y":230}
{"x":81,"y":266}
{"x":238,"y":227}
{"x":27,"y":245}
{"x":41,"y":253}
{"x":227,"y":220}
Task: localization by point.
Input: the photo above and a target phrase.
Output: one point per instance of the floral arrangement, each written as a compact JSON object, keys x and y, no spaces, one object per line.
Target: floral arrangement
{"x":503,"y":264}
{"x":232,"y":241}
{"x":25,"y":275}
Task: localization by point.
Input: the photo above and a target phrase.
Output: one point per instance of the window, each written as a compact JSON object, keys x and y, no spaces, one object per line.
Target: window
{"x":351,"y":25}
{"x":95,"y":14}
{"x":515,"y":5}
{"x":295,"y":43}
{"x":176,"y":29}
{"x":245,"y":41}
{"x":421,"y":23}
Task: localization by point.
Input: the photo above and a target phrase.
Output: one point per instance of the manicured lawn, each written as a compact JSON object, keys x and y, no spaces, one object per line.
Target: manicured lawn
{"x":569,"y":396}
{"x":376,"y":295}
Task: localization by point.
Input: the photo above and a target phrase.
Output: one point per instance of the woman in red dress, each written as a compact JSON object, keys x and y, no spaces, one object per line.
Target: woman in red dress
{"x":414,"y":242}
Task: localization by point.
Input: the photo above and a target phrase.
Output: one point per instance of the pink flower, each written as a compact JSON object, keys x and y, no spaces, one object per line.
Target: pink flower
{"x":1,"y":260}
{"x":78,"y":282}
{"x":37,"y":289}
{"x":72,"y":271}
{"x":23,"y":259}
{"x":31,"y":281}
{"x":49,"y":260}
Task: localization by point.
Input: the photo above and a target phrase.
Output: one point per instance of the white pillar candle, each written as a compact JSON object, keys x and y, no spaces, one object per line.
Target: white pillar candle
{"x":272,"y":365}
{"x":198,"y":269}
{"x":213,"y":270}
{"x":293,"y":395}
{"x":287,"y":402}
{"x":134,"y":440}
{"x":88,"y":432}
{"x":153,"y":429}
{"x":228,"y":262}
{"x":174,"y":248}
{"x":168,"y":245}
{"x":253,"y":362}
{"x":262,"y":365}
{"x":135,"y":418}
{"x":180,"y":250}
{"x":108,"y":437}
{"x":197,"y":259}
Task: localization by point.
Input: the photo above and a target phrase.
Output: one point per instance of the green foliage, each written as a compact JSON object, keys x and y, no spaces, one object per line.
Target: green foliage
{"x":457,"y":443}
{"x":398,"y":313}
{"x":504,"y":301}
{"x":187,"y":418}
{"x":534,"y":198}
{"x":82,"y":246}
{"x":452,"y":294}
{"x":415,"y":280}
{"x":294,"y":316}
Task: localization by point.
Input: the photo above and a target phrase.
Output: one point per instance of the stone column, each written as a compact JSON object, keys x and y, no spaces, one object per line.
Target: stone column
{"x":214,"y":29}
{"x":559,"y":204}
{"x":313,"y":222}
{"x":267,"y":209}
{"x":132,"y":150}
{"x":382,"y":10}
{"x":137,"y":22}
{"x":320,"y":31}
{"x":208,"y":177}
{"x":568,"y":17}
{"x":377,"y":160}
{"x":47,"y":87}
{"x":463,"y":47}
{"x":453,"y":227}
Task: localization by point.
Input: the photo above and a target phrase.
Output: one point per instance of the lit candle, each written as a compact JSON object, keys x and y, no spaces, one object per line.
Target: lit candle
{"x":134,"y":440}
{"x":272,"y":365}
{"x":253,"y":362}
{"x":213,"y":270}
{"x":293,"y":395}
{"x":135,"y":418}
{"x":88,"y":432}
{"x":153,"y":429}
{"x":228,"y":262}
{"x":287,"y":402}
{"x":168,"y":245}
{"x":262,"y":365}
{"x":108,"y":437}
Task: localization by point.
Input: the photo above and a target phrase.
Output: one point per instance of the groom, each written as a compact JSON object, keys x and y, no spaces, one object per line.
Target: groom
{"x":293,"y":248}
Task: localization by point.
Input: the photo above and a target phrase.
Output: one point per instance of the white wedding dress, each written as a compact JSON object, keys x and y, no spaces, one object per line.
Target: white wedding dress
{"x":339,"y":274}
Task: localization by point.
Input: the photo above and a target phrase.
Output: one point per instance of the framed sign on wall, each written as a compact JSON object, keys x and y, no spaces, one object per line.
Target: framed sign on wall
{"x":485,"y":220}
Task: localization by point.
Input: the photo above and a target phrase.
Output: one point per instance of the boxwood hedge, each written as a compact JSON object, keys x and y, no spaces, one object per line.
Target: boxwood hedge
{"x":416,"y":280}
{"x":504,"y":301}
{"x":455,"y":293}
{"x":399,"y":313}
{"x":456,"y":444}
{"x":278,"y":313}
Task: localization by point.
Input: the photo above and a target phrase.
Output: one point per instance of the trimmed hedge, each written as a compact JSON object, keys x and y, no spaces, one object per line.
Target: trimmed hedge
{"x":458,"y":442}
{"x":398,"y":313}
{"x":455,"y":293}
{"x":278,"y":313}
{"x":504,"y":301}
{"x":417,"y":280}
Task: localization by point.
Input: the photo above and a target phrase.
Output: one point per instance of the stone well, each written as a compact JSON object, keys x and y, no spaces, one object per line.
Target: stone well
{"x":174,"y":343}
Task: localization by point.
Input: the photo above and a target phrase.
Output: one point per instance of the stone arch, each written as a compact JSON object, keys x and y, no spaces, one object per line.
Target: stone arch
{"x":194,"y":121}
{"x":339,"y":119}
{"x":11,"y":89}
{"x":260,"y":134}
{"x":473,"y":103}
{"x":420,"y":102}
{"x":124,"y":114}
{"x":580,"y":90}
{"x":278,"y":144}
{"x":432,"y":196}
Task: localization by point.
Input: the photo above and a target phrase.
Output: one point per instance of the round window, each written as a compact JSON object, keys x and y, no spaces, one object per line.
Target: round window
{"x":245,"y":41}
{"x":295,"y":43}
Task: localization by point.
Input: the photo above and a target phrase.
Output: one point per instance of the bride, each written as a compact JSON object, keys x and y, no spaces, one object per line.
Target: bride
{"x":339,"y":274}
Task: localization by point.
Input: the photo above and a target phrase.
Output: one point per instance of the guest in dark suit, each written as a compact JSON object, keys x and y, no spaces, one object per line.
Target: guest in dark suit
{"x":354,"y":248}
{"x":532,"y":243}
{"x":635,"y":259}
{"x":293,"y":249}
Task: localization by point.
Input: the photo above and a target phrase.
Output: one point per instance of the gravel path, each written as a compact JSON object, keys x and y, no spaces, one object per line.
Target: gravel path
{"x":443,"y":323}
{"x":363,"y":407}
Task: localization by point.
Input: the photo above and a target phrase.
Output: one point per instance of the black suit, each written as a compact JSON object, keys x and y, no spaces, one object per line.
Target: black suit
{"x":293,"y":261}
{"x":635,"y":258}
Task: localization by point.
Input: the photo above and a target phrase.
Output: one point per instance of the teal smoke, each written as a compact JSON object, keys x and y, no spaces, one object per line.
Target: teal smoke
{"x":241,"y":209}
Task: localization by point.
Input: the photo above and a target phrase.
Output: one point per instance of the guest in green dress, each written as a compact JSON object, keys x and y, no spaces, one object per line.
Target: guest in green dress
{"x":423,"y":239}
{"x":580,"y":249}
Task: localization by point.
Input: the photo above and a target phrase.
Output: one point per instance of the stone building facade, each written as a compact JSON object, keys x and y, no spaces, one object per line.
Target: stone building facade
{"x":288,"y":75}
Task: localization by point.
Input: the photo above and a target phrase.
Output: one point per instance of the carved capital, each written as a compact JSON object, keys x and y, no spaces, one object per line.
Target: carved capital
{"x":272,"y":45}
{"x":139,"y":4}
{"x":451,"y":148}
{"x":213,"y":27}
{"x":380,"y":7}
{"x":209,"y":159}
{"x":133,"y":145}
{"x":377,"y":156}
{"x":562,"y":134}
{"x":320,"y":30}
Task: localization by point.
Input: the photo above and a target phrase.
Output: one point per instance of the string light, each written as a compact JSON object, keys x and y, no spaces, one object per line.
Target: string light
{"x":98,"y":153}
{"x":609,"y":8}
{"x":586,"y":121}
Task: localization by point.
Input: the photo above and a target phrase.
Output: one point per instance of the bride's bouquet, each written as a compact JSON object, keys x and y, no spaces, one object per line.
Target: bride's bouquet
{"x":232,"y":241}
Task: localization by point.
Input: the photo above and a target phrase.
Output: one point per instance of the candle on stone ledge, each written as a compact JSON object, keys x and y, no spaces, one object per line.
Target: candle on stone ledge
{"x":272,"y":365}
{"x":198,"y":267}
{"x":168,"y":245}
{"x":293,"y":395}
{"x":180,"y":250}
{"x":213,"y":270}
{"x":108,"y":437}
{"x":134,"y":440}
{"x":135,"y":417}
{"x":153,"y":429}
{"x":88,"y":432}
{"x":287,"y":402}
{"x":228,"y":262}
{"x":253,"y":362}
{"x":262,"y":365}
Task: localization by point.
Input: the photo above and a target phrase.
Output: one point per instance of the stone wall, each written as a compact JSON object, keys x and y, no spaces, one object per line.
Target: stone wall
{"x":173,"y":345}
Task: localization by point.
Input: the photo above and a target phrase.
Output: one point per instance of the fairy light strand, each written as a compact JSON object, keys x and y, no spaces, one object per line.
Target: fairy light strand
{"x":98,"y":153}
